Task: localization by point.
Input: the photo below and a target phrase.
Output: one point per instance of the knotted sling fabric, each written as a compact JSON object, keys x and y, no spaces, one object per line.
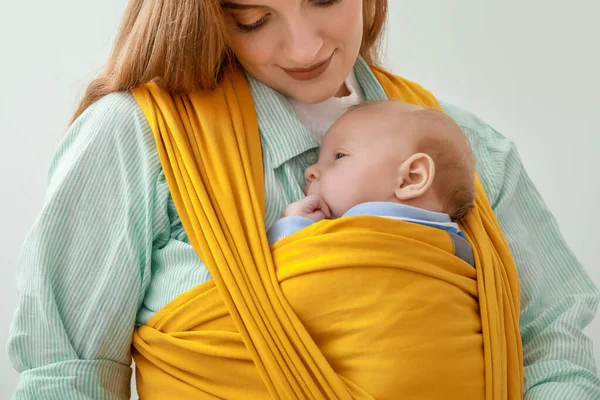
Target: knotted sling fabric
{"x":356,"y":308}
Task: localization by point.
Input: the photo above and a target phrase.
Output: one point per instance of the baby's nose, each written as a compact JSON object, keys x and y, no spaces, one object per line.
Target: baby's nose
{"x":311,"y":174}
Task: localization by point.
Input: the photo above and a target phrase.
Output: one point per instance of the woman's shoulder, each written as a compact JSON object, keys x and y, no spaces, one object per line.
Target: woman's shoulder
{"x":491,"y":148}
{"x":479,"y":132}
{"x":114,"y":113}
{"x":114,"y":122}
{"x":471,"y":122}
{"x":110,"y":136}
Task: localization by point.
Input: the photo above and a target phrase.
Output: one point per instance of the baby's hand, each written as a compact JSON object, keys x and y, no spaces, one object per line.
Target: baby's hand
{"x":312,"y":206}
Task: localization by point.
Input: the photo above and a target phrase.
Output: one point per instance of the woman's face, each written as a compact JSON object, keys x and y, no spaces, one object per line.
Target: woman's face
{"x":304,"y":49}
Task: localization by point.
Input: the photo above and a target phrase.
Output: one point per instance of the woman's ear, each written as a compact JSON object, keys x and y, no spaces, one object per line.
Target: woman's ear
{"x":415,"y":177}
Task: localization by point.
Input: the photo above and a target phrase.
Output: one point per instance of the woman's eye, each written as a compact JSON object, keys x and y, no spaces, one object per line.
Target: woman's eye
{"x":339,"y":155}
{"x":246,"y":28}
{"x":326,"y":3}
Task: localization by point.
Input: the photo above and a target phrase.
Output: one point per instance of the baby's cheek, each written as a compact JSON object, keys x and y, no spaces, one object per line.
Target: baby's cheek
{"x":344,"y":198}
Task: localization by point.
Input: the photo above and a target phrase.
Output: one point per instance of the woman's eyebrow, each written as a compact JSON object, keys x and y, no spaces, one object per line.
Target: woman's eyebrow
{"x":235,"y":6}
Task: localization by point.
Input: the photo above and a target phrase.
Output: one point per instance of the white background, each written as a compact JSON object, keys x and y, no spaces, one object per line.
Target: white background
{"x":530,"y":69}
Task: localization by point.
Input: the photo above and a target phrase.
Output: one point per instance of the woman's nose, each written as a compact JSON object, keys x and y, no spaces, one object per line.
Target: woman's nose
{"x":312,"y":174}
{"x":302,"y":44}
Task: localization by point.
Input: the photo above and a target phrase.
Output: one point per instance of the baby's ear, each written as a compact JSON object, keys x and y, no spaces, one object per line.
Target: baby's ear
{"x":415,"y":177}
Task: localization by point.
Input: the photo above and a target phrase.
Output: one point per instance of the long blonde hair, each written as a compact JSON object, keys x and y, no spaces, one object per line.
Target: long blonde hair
{"x":182,"y":44}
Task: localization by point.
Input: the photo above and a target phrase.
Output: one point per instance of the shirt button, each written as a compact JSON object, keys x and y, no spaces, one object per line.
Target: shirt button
{"x":312,"y":157}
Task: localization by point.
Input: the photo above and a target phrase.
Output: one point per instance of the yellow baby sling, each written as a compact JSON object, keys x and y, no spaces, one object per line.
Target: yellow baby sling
{"x":355,"y":308}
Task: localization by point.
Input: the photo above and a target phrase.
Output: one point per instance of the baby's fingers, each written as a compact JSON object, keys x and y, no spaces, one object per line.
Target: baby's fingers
{"x":324,"y":208}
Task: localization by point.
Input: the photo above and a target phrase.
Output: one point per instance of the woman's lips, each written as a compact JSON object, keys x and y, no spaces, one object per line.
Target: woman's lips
{"x":306,"y":74}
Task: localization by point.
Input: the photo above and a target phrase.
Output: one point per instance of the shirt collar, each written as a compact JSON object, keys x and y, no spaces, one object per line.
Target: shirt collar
{"x":283,"y":136}
{"x":389,"y":209}
{"x":406,"y":213}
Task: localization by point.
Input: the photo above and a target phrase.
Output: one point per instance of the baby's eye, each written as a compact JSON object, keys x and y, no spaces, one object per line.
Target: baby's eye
{"x":339,"y":155}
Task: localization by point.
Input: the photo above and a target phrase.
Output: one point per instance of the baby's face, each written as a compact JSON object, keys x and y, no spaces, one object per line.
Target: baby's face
{"x":359,"y":159}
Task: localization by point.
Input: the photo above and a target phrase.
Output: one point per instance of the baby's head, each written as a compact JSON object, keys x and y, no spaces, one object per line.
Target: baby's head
{"x":393,"y":151}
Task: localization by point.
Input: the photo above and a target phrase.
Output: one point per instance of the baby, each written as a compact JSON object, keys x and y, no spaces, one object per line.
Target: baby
{"x":389,"y":159}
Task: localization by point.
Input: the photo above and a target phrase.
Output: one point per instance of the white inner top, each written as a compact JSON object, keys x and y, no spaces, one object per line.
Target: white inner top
{"x":317,"y":118}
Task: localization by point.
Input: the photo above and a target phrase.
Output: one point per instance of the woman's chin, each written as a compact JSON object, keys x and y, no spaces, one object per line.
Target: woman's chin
{"x":313,"y":93}
{"x":316,"y":90}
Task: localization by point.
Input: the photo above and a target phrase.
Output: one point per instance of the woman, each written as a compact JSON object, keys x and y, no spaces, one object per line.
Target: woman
{"x":109,"y":249}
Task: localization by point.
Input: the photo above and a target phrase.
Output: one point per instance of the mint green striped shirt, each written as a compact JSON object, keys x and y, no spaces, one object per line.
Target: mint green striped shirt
{"x":108,"y":250}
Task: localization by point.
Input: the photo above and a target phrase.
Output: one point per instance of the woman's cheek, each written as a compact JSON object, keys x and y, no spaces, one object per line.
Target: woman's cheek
{"x":253,"y":49}
{"x":347,"y":26}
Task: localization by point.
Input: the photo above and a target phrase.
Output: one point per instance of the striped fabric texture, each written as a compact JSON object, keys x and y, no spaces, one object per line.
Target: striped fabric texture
{"x":108,"y":250}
